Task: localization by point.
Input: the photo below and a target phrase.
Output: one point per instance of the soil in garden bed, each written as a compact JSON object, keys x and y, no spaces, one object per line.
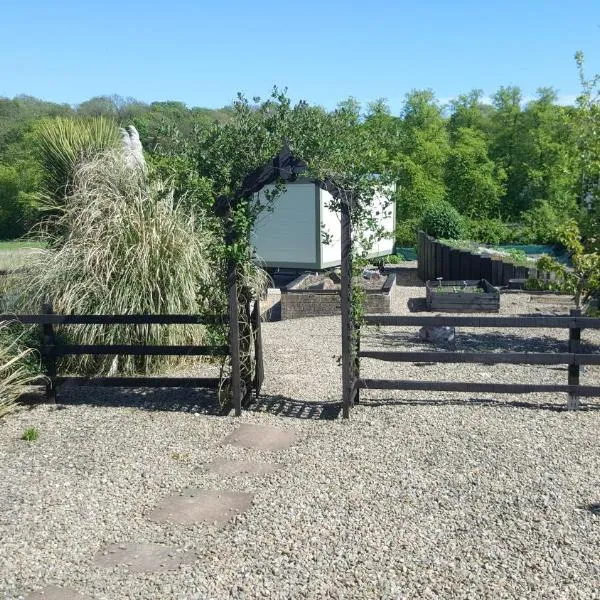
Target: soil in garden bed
{"x":331,"y":281}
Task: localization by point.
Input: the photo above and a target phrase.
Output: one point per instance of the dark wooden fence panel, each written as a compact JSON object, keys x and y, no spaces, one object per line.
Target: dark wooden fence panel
{"x":573,"y":358}
{"x":435,"y":259}
{"x":51,"y":349}
{"x":455,"y":270}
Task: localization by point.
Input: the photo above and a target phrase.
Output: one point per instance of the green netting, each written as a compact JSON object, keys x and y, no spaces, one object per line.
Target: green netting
{"x":407,"y":253}
{"x":537,"y":250}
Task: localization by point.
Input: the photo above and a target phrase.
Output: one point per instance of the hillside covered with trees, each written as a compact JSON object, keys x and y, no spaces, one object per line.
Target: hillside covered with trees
{"x":513,"y":169}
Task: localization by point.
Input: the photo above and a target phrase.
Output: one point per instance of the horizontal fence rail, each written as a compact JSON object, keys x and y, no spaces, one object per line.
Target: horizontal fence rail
{"x":463,"y":386}
{"x":486,"y":358}
{"x":137,"y":350}
{"x":549,"y":322}
{"x":185,"y":382}
{"x":53,"y":319}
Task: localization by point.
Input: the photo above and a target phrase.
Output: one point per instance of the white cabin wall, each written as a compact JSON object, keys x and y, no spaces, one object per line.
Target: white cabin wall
{"x":330,"y":223}
{"x":287,"y":235}
{"x":331,"y":253}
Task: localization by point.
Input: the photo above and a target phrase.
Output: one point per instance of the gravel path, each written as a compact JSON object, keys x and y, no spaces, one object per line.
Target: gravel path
{"x":419,"y":495}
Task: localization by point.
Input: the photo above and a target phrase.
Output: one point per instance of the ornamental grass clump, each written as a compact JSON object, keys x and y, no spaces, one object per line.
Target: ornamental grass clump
{"x":128,"y":249}
{"x":63,"y":143}
{"x":15,"y":369}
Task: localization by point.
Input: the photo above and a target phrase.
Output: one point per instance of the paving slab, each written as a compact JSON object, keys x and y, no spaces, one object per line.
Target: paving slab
{"x":196,"y":506}
{"x":144,"y":557}
{"x":54,"y":592}
{"x":261,"y":437}
{"x":224,"y":466}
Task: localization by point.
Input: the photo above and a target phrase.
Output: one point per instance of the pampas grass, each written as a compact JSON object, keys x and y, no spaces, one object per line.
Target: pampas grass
{"x":15,"y":374}
{"x":127,"y":250}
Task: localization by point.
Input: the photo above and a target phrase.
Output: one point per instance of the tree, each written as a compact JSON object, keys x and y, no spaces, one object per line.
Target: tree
{"x":588,"y":131}
{"x":474,"y":183}
{"x":425,"y":147}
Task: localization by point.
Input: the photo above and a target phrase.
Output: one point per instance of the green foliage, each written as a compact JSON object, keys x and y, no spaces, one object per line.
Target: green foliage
{"x":583,"y":280}
{"x":393,"y":259}
{"x":541,"y":224}
{"x":31,"y":434}
{"x":18,"y":207}
{"x":63,"y":143}
{"x":424,"y":151}
{"x":475,"y":185}
{"x":442,"y":220}
{"x":406,"y":232}
{"x":127,"y":250}
{"x":488,"y":231}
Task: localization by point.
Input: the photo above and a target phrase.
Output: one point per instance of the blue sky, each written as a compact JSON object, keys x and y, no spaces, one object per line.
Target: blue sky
{"x":204,"y":52}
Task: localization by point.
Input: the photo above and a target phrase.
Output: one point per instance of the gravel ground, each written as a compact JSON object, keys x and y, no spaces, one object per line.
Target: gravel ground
{"x":419,"y":495}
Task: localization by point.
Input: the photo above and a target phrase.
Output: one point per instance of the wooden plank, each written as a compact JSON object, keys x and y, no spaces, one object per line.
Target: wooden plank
{"x":474,"y":266}
{"x":420,"y":255}
{"x":259,"y":369}
{"x":455,"y":272}
{"x":508,"y":273}
{"x":135,"y":350}
{"x":54,"y":319}
{"x":486,"y":268}
{"x":346,"y":308}
{"x":472,"y":387}
{"x":445,"y":261}
{"x":490,"y":322}
{"x":234,"y":338}
{"x":48,"y":358}
{"x":158,"y":382}
{"x":516,"y":358}
{"x":438,"y":269}
{"x":574,"y":347}
{"x":465,"y":265}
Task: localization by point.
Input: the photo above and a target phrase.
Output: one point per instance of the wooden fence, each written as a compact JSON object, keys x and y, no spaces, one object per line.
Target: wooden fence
{"x":575,"y":323}
{"x":52,"y":349}
{"x":436,"y":259}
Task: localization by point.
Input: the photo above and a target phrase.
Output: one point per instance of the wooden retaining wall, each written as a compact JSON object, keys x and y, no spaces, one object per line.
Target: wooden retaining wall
{"x":436,"y":259}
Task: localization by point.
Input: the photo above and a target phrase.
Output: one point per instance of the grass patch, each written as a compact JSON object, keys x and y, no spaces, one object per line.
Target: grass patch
{"x":31,"y":434}
{"x":14,"y":254}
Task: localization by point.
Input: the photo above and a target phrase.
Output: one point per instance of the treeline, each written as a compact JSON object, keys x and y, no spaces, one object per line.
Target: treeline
{"x":513,"y":169}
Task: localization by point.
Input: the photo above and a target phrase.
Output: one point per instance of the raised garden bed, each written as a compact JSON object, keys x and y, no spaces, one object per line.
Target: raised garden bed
{"x":462,"y":296}
{"x":318,"y":295}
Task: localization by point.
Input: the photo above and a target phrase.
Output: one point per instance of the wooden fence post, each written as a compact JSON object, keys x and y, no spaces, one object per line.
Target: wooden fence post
{"x":346,"y":308}
{"x":49,"y":358}
{"x":574,"y":348}
{"x":259,"y":370}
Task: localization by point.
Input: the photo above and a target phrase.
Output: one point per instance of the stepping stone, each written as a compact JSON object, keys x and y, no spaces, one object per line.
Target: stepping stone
{"x":143,"y":557}
{"x":261,"y":437}
{"x":193,"y":506}
{"x":54,"y":592}
{"x":241,"y":467}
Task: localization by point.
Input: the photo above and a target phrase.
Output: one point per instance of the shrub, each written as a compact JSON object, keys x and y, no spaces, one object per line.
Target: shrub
{"x":393,"y":259}
{"x":406,"y":233}
{"x":127,"y":250}
{"x":442,"y":220}
{"x":541,"y":224}
{"x":488,"y":231}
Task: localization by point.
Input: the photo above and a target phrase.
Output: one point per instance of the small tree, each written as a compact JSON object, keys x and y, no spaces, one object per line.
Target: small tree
{"x":583,"y":280}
